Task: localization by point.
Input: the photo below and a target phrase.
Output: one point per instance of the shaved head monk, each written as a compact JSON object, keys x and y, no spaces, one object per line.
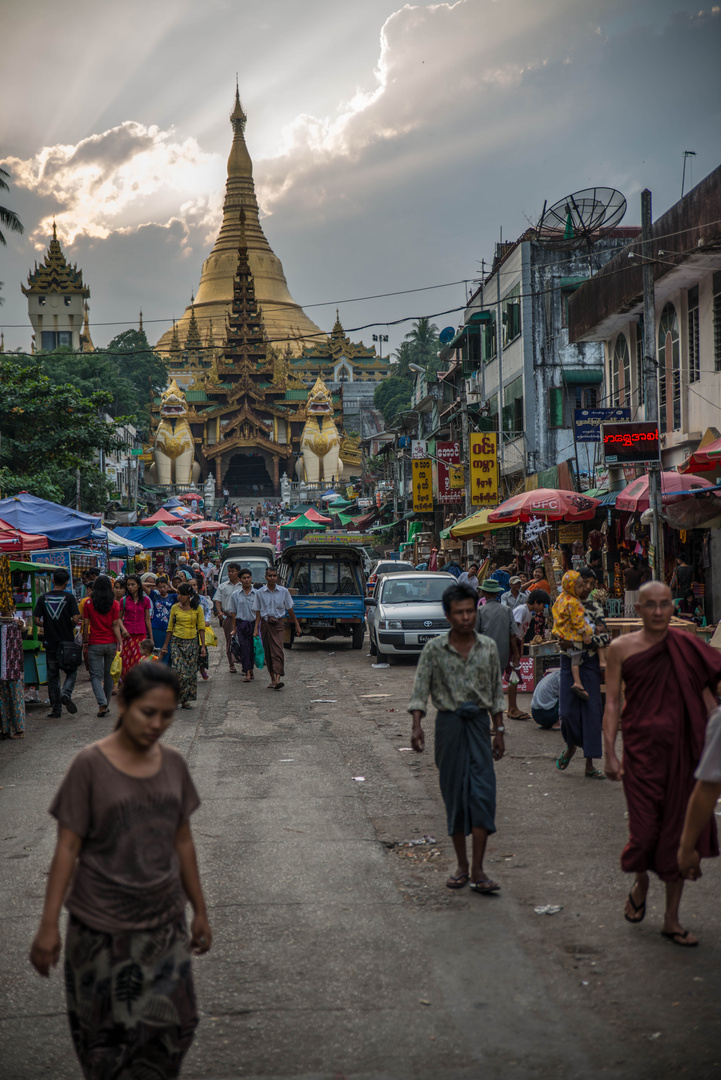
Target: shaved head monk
{"x":669,"y":684}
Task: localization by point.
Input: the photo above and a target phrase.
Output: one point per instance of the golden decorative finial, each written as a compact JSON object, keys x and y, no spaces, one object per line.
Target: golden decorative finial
{"x":140,"y":323}
{"x":55,"y":229}
{"x":2,"y":341}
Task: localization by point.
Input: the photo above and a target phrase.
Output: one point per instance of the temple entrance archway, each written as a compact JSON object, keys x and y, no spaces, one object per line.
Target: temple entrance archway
{"x":247,"y":474}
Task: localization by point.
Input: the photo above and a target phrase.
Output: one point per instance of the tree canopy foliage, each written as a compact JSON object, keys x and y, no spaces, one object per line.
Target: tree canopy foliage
{"x":128,"y":370}
{"x":420,"y":346}
{"x":49,"y":431}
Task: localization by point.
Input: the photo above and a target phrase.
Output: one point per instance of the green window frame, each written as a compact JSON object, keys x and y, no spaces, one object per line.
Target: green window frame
{"x":555,"y":406}
{"x":511,"y":315}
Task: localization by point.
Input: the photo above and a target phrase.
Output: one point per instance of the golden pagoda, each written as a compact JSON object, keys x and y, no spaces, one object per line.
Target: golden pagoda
{"x":284,"y":320}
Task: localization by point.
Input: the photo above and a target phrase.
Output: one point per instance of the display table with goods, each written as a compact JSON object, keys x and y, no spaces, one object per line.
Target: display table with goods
{"x":616,"y":627}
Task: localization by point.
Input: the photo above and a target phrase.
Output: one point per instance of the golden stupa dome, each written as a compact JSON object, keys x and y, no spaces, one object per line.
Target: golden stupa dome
{"x":284,"y":320}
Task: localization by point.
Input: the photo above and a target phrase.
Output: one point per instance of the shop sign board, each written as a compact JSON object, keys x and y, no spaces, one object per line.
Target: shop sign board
{"x":448,"y":454}
{"x":419,"y":449}
{"x":457,"y":477}
{"x":422,"y":485}
{"x":587,"y":422}
{"x":57,"y":557}
{"x":631,"y":444}
{"x":526,"y":684}
{"x":571,"y":533}
{"x":484,"y":468}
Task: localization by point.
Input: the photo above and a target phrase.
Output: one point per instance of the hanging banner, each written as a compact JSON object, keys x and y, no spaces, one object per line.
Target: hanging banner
{"x":448,"y":455}
{"x":587,"y":422}
{"x":419,"y":448}
{"x":484,"y":468}
{"x":422,"y":485}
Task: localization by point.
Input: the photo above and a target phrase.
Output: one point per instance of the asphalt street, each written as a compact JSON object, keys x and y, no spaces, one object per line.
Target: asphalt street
{"x":338,"y":951}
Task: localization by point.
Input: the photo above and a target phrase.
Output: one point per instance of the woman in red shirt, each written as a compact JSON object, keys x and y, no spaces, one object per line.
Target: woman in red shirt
{"x":135,"y":609}
{"x":101,"y":639}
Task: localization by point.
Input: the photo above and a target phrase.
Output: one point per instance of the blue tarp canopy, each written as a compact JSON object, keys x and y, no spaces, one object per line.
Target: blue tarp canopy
{"x":60,"y":524}
{"x":151,"y":537}
{"x":172,"y":504}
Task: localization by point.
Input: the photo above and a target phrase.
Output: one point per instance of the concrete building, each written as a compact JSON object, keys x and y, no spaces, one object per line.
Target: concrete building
{"x":608,"y":313}
{"x":528,"y":379}
{"x":57,"y":303}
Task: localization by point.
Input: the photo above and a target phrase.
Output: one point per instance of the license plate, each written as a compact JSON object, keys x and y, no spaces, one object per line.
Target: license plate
{"x":423,"y":638}
{"x":322,"y":622}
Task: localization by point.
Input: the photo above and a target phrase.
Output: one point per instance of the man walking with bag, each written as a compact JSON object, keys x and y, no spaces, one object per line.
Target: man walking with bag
{"x":58,"y":613}
{"x":272,"y":602}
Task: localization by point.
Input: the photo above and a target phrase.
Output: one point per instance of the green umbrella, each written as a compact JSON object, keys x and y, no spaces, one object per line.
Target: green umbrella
{"x":304,"y":523}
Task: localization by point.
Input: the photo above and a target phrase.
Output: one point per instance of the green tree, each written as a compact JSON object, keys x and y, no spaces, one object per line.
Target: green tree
{"x":424,"y":345}
{"x":393,"y":396}
{"x":48,"y":432}
{"x":8,"y":219}
{"x":128,"y":370}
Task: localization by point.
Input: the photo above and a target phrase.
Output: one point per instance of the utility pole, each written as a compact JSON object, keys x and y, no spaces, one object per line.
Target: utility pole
{"x":651,"y":379}
{"x":465,"y":447}
{"x":77,"y":488}
{"x":499,"y":354}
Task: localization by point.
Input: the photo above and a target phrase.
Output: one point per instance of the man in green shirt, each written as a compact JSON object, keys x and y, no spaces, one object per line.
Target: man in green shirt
{"x":462,"y":673}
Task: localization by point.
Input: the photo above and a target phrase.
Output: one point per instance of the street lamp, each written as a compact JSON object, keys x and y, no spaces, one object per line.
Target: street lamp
{"x":380,"y":338}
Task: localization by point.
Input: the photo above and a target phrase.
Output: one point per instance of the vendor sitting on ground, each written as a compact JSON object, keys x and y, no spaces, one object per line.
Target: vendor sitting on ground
{"x":571,"y":625}
{"x":544,"y":703}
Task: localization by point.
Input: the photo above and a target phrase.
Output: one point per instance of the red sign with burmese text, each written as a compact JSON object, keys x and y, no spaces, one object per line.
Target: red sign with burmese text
{"x":448,"y":453}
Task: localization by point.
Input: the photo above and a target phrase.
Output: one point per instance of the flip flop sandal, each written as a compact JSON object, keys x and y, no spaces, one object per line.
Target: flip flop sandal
{"x":678,"y":937}
{"x":636,"y":907}
{"x":595,"y":774}
{"x":279,"y":686}
{"x":483,"y":886}
{"x":520,"y":716}
{"x":563,"y":761}
{"x":457,"y":881}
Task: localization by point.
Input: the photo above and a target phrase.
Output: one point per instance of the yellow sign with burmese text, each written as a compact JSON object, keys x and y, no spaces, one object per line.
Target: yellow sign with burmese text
{"x":484,"y":468}
{"x":422,"y":485}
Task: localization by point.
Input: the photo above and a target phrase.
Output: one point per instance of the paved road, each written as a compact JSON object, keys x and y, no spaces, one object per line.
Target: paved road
{"x":338,"y":952}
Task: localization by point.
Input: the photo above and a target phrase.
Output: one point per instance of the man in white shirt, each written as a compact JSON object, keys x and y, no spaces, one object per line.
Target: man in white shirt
{"x":243,"y":607}
{"x":273,"y":601}
{"x":220,"y":600}
{"x":544,"y":703}
{"x":515,"y":594}
{"x":470,"y":576}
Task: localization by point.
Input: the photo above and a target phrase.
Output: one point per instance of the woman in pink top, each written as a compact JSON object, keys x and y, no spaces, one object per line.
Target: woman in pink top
{"x":135,"y":610}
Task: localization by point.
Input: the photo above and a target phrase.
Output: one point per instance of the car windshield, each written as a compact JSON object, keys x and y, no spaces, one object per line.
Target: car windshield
{"x":417,"y":590}
{"x":326,"y":577}
{"x":256,"y":566}
{"x":392,"y":568}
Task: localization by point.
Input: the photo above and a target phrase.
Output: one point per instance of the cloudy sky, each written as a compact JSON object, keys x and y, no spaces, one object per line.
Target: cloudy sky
{"x":391,"y":142}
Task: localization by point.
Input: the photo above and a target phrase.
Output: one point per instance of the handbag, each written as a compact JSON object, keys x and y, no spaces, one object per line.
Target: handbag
{"x":116,"y":668}
{"x":210,"y":637}
{"x":258,"y":653}
{"x":70,"y":656}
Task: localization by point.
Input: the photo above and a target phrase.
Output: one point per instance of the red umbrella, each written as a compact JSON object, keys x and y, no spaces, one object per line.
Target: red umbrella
{"x":706,"y":460}
{"x":190,"y":496}
{"x":550,"y":504}
{"x":635,"y":496}
{"x":161,"y":517}
{"x":209,"y":527}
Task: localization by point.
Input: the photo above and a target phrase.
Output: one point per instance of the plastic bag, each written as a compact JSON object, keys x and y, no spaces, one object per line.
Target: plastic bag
{"x":116,"y":668}
{"x":210,"y":637}
{"x":258,"y":652}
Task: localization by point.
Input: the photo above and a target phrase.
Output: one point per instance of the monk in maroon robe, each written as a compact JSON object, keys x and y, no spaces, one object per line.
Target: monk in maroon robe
{"x":669,"y":681}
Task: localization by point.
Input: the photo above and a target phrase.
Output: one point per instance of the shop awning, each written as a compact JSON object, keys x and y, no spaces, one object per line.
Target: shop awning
{"x":475,"y":525}
{"x":586,"y":376}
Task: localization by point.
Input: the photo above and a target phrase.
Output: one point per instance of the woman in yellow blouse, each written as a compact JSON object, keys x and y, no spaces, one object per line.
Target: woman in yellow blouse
{"x":186,"y":626}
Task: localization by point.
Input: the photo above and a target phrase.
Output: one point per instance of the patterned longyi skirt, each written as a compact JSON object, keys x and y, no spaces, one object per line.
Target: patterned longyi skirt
{"x":131,"y":1002}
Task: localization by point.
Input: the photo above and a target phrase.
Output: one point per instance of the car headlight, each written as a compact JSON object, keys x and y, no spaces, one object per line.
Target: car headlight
{"x":391,"y":624}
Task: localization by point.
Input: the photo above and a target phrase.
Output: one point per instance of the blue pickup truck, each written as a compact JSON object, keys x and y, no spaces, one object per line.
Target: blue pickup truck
{"x":327,"y":584}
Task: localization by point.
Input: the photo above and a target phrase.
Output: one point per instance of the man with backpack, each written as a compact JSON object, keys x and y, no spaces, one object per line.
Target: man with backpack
{"x":59,"y":614}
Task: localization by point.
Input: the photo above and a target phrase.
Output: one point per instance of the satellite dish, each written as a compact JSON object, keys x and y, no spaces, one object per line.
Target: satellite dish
{"x":447,"y":334}
{"x":581,"y":218}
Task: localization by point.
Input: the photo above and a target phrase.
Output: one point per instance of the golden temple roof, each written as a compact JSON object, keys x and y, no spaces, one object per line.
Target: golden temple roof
{"x":284,"y":319}
{"x":55,"y":274}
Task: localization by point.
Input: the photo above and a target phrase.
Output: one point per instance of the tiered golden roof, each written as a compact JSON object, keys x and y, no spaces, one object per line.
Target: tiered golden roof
{"x":55,"y":274}
{"x":284,"y":319}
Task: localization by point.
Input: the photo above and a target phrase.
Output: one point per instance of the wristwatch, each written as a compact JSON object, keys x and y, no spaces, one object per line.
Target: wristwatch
{"x":498,"y":730}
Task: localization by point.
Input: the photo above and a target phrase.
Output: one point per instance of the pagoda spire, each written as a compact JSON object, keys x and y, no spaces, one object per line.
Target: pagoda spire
{"x":85,"y":339}
{"x":140,"y":322}
{"x":192,"y":341}
{"x":245,"y":348}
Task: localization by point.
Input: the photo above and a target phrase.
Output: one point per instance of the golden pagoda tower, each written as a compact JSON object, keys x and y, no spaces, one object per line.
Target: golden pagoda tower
{"x":284,"y":320}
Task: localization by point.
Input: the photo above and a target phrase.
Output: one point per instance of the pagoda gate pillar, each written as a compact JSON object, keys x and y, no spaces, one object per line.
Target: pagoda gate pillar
{"x":219,"y":473}
{"x":276,"y":476}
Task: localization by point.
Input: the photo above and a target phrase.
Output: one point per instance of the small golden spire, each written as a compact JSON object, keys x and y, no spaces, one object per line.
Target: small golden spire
{"x":2,"y":341}
{"x":85,"y":339}
{"x":140,"y":323}
{"x":55,"y":229}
